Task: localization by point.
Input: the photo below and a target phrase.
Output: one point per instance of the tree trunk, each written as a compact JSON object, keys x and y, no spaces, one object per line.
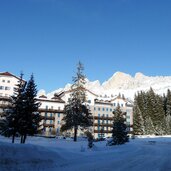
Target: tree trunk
{"x":13,"y":138}
{"x":24,"y":139}
{"x":21,"y":141}
{"x":75,"y":133}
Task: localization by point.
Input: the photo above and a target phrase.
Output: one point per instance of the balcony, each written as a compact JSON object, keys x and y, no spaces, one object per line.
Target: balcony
{"x":103,"y":125}
{"x":48,"y":125}
{"x":5,"y":106}
{"x":50,"y":110}
{"x":103,"y":117}
{"x":102,"y":131}
{"x":48,"y":117}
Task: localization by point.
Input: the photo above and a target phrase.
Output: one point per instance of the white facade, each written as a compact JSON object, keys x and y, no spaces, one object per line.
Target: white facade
{"x":8,"y":83}
{"x":51,"y":111}
{"x":102,"y":111}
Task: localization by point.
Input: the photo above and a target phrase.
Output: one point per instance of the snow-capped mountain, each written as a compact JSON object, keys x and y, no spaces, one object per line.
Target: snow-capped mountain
{"x":124,"y":84}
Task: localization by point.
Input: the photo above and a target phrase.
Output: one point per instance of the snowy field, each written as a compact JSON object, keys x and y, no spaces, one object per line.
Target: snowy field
{"x":42,"y":154}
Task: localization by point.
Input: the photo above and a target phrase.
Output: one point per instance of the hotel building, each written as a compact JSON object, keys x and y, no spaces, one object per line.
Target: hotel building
{"x":51,"y":109}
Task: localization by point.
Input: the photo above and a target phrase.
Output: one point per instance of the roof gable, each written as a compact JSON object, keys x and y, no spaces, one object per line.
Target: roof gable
{"x":10,"y":75}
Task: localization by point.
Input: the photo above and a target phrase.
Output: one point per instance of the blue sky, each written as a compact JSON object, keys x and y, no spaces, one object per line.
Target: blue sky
{"x":49,"y":37}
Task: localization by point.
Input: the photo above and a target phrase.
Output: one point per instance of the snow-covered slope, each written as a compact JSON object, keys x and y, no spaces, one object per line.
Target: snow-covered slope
{"x":41,"y":154}
{"x":126,"y":84}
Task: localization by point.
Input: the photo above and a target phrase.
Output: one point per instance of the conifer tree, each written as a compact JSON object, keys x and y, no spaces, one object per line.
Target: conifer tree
{"x":119,"y":132}
{"x":168,"y":103}
{"x":168,"y":111}
{"x":13,"y":115}
{"x":76,"y":113}
{"x":156,"y":112}
{"x":138,"y":126}
{"x":29,"y":122}
{"x":165,"y":103}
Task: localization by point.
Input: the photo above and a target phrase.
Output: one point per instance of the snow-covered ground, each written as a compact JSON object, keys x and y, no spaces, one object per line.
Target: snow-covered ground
{"x":42,"y":154}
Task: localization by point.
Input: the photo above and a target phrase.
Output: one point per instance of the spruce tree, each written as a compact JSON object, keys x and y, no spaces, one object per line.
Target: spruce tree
{"x":11,"y":123}
{"x":76,"y":113}
{"x":165,"y":103}
{"x":168,"y":111}
{"x":138,"y":126}
{"x":119,"y":132}
{"x":156,"y":112}
{"x":29,"y":122}
{"x":168,"y":103}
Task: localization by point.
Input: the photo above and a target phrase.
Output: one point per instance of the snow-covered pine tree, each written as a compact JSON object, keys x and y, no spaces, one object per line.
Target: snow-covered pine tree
{"x":149,"y":127}
{"x":119,"y":132}
{"x":29,"y":123}
{"x":76,"y":113}
{"x":138,"y":126}
{"x":156,"y":112}
{"x":167,"y":105}
{"x":13,"y":115}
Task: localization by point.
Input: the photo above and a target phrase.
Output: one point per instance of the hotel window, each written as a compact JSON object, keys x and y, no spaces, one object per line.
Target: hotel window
{"x":3,"y":81}
{"x":94,"y":108}
{"x":7,"y":88}
{"x":111,"y":110}
{"x":45,"y":114}
{"x":98,"y":115}
{"x":59,"y":108}
{"x":99,"y":109}
{"x":89,"y":101}
{"x":58,"y":122}
{"x":57,"y":130}
{"x":46,"y":107}
{"x":106,"y":109}
{"x":1,"y":87}
{"x":51,"y":115}
{"x":15,"y":89}
{"x":103,"y":109}
{"x":114,"y":104}
{"x":128,"y":116}
{"x":8,"y":81}
{"x":121,"y":105}
{"x":58,"y":115}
